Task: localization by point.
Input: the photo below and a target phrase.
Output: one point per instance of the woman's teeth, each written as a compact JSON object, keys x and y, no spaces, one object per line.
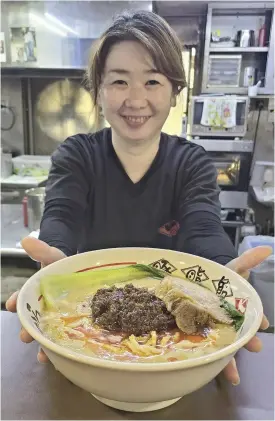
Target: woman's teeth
{"x":136,"y":119}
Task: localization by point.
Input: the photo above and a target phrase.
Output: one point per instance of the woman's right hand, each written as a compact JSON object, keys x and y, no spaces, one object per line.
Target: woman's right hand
{"x":45,"y":254}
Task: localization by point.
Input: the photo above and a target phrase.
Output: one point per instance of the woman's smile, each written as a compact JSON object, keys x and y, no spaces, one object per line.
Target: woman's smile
{"x":135,"y":121}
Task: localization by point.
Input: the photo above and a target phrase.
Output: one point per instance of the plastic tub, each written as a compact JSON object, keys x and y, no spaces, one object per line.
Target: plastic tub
{"x":262,"y":276}
{"x":31,"y":165}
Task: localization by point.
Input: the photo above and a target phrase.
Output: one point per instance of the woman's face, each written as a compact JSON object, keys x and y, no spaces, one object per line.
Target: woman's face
{"x":135,"y":98}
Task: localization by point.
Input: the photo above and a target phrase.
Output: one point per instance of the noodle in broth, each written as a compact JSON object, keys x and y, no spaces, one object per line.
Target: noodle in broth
{"x":73,"y":327}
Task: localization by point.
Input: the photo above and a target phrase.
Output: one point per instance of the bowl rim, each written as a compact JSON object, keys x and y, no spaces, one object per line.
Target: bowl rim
{"x":137,"y":366}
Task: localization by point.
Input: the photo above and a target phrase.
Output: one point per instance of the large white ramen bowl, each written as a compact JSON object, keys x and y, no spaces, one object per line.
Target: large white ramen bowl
{"x":143,"y":386}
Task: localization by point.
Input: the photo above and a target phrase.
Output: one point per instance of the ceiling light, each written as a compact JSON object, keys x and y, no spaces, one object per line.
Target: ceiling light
{"x":58,"y":22}
{"x":47,"y":25}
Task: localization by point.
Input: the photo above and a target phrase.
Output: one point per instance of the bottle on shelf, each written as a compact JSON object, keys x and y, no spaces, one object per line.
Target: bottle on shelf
{"x":262,"y":34}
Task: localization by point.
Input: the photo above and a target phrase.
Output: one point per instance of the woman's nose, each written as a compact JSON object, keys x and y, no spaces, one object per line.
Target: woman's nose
{"x":136,"y":98}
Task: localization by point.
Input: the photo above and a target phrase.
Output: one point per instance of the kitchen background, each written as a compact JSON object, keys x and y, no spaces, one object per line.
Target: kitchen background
{"x":228,"y":49}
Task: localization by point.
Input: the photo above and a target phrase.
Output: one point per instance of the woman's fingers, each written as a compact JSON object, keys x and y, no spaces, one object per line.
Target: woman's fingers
{"x":42,"y":357}
{"x":249,"y":259}
{"x":265,"y":323}
{"x":41,"y":252}
{"x":11,"y":302}
{"x":254,"y":345}
{"x":11,"y":306}
{"x":25,"y":336}
{"x":231,"y":372}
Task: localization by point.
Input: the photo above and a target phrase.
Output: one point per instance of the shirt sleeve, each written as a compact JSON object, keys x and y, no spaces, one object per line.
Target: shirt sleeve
{"x":201,"y":232}
{"x":66,"y":200}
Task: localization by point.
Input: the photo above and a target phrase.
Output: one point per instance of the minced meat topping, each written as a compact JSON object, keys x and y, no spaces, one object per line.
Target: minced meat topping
{"x":130,"y":310}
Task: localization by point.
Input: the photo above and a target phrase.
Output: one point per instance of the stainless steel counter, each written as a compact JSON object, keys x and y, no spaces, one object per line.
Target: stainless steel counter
{"x":16,"y":266}
{"x":15,"y":182}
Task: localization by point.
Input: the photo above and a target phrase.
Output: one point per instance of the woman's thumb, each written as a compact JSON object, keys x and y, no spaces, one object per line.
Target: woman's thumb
{"x":41,"y":252}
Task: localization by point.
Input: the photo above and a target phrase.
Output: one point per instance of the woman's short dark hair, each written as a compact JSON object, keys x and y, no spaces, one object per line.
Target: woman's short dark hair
{"x":154,"y":33}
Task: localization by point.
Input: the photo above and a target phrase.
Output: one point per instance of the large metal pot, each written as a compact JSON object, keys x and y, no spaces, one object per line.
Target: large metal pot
{"x":33,"y":205}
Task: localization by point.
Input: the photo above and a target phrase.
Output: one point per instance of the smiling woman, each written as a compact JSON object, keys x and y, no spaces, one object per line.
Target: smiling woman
{"x":135,"y":75}
{"x":136,"y":99}
{"x":131,"y":185}
{"x":155,"y":36}
{"x":143,"y":74}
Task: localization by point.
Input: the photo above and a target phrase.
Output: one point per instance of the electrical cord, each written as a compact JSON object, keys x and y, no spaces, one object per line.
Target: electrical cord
{"x":12,"y":113}
{"x":261,"y":106}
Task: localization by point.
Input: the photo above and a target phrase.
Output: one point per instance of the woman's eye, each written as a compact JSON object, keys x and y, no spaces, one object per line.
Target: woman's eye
{"x":119,"y":82}
{"x":152,"y":82}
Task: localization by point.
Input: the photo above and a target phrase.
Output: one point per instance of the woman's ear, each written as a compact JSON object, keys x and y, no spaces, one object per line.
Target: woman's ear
{"x":99,"y":100}
{"x":173,"y":101}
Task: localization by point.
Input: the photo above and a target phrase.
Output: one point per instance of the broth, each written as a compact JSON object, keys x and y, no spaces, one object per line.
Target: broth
{"x":73,"y":327}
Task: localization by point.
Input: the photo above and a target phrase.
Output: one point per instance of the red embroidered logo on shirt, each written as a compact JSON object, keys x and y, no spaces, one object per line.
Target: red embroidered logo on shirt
{"x":170,"y":229}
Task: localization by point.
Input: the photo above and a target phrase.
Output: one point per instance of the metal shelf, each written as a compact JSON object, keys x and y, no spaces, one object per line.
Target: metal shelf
{"x":260,"y":53}
{"x":33,"y":72}
{"x":235,"y":91}
{"x":238,"y":49}
{"x":18,"y":183}
{"x":262,"y":96}
{"x":226,"y":90}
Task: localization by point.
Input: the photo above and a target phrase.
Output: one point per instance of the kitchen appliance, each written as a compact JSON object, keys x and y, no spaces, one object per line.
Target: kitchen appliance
{"x":249,"y":76}
{"x":33,"y":207}
{"x":199,"y":130}
{"x":224,"y":70}
{"x":262,"y":182}
{"x":245,"y":38}
{"x":64,"y":108}
{"x":61,"y":108}
{"x":232,"y":159}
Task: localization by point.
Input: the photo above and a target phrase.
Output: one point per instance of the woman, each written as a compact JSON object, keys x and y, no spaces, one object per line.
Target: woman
{"x":131,"y":185}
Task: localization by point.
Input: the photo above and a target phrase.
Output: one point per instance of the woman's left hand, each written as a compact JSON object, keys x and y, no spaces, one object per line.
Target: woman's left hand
{"x":242,"y":265}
